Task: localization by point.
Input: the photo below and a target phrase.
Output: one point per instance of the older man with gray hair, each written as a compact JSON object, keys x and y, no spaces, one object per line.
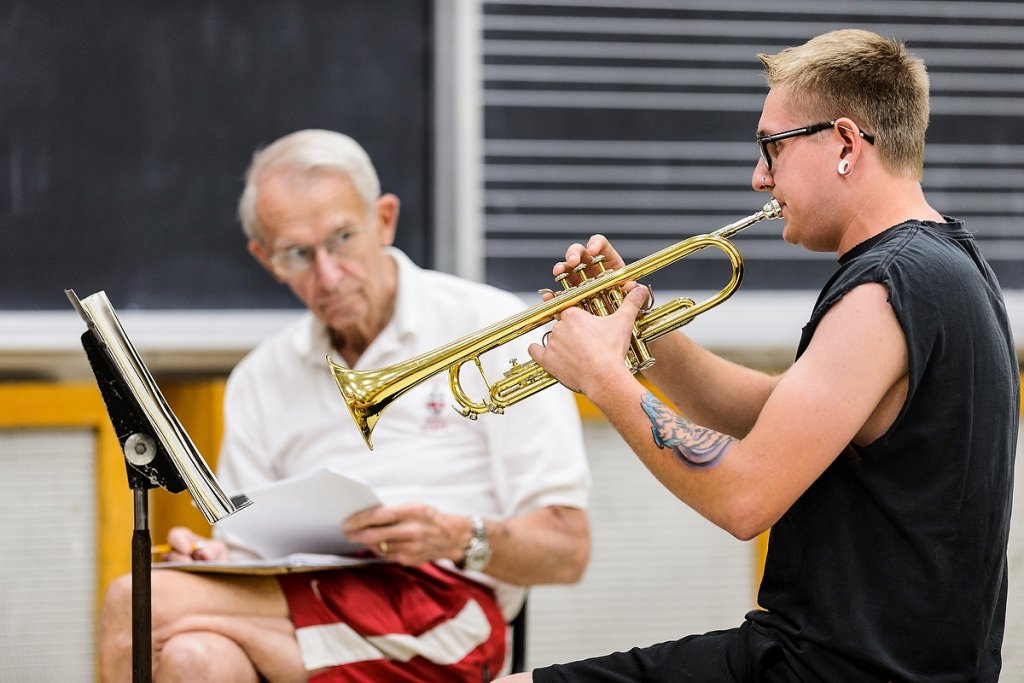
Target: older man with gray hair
{"x":473,"y":513}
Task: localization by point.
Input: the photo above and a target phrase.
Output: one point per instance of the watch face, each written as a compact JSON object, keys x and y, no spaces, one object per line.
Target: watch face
{"x":478,"y":554}
{"x":478,"y":551}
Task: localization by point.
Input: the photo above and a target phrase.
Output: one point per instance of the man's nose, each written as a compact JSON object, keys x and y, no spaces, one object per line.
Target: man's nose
{"x":328,"y":270}
{"x":761,"y":179}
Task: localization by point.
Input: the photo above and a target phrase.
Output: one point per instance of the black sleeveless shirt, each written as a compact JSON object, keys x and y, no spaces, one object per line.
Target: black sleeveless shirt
{"x":892,"y":565}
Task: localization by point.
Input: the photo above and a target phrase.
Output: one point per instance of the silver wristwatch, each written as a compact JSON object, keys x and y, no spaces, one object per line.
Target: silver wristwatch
{"x":478,"y":550}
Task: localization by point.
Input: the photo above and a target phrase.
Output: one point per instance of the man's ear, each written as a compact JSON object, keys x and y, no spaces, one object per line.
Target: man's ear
{"x":388,"y":206}
{"x":263,"y":258}
{"x":847,"y":130}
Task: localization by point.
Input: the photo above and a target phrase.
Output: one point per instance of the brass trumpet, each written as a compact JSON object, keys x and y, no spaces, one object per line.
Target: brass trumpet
{"x":368,"y":393}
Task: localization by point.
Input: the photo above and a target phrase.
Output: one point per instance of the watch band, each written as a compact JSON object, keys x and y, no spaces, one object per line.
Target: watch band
{"x":478,"y":551}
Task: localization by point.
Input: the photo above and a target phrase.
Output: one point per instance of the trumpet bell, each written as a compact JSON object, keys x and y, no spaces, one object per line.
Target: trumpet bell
{"x":364,"y":395}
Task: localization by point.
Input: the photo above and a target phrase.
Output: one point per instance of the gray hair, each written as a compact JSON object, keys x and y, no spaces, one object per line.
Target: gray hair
{"x":302,"y":152}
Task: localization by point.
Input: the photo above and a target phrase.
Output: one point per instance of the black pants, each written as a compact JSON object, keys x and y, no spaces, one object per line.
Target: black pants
{"x":731,"y":656}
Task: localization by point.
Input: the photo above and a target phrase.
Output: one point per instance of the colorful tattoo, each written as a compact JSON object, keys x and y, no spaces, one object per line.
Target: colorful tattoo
{"x":695,"y":445}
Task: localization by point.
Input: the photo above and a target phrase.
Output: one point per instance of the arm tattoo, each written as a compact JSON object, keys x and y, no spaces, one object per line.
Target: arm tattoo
{"x":693,"y":444}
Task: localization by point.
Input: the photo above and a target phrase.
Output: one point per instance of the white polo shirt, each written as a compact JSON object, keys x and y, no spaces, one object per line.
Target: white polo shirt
{"x":284,"y":415}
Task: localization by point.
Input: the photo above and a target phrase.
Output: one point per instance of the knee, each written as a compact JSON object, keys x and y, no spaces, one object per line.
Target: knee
{"x":199,"y":656}
{"x":119,"y":593}
{"x":118,"y":602}
{"x":115,"y":621}
{"x":116,"y":611}
{"x":115,"y":631}
{"x":184,"y":652}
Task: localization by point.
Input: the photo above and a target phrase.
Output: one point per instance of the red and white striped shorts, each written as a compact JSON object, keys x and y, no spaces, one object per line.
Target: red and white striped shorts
{"x":385,"y":623}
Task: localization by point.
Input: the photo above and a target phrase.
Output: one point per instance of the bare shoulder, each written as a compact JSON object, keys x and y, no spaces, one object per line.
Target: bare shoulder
{"x":863,"y":300}
{"x":863,"y":312}
{"x":860,"y":341}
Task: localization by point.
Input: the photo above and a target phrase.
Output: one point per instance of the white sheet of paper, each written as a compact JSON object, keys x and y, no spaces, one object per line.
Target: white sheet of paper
{"x":302,"y":514}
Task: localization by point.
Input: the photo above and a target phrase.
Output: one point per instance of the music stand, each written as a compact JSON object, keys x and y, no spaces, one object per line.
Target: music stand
{"x":157,"y":452}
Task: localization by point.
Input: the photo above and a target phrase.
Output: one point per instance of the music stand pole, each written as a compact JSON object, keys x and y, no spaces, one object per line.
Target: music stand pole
{"x":142,"y":624}
{"x":140,"y":450}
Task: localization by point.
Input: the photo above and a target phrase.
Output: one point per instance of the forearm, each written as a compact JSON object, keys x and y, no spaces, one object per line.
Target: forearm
{"x":550,"y":545}
{"x":702,"y":467}
{"x":706,"y":388}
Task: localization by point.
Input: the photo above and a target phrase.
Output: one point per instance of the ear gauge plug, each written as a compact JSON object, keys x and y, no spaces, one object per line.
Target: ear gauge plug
{"x":844,"y":167}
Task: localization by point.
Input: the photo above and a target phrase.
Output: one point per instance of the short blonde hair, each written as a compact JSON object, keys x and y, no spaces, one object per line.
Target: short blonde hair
{"x":305,"y":151}
{"x":868,"y":78}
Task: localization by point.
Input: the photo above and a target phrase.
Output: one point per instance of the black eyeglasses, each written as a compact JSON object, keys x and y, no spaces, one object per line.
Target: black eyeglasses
{"x":764,"y":140}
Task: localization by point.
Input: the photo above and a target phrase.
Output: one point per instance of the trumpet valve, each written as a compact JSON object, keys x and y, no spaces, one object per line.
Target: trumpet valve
{"x":563,"y":279}
{"x":581,"y":272}
{"x":599,"y":262}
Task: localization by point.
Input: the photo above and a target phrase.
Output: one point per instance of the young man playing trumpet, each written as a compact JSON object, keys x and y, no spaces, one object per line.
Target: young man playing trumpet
{"x":882,"y":459}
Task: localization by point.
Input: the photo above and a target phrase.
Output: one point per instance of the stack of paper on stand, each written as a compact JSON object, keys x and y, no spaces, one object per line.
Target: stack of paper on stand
{"x":294,"y":525}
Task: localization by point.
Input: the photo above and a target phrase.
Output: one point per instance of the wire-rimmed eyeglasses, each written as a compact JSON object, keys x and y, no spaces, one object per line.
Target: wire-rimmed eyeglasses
{"x":764,"y":140}
{"x":299,"y":258}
